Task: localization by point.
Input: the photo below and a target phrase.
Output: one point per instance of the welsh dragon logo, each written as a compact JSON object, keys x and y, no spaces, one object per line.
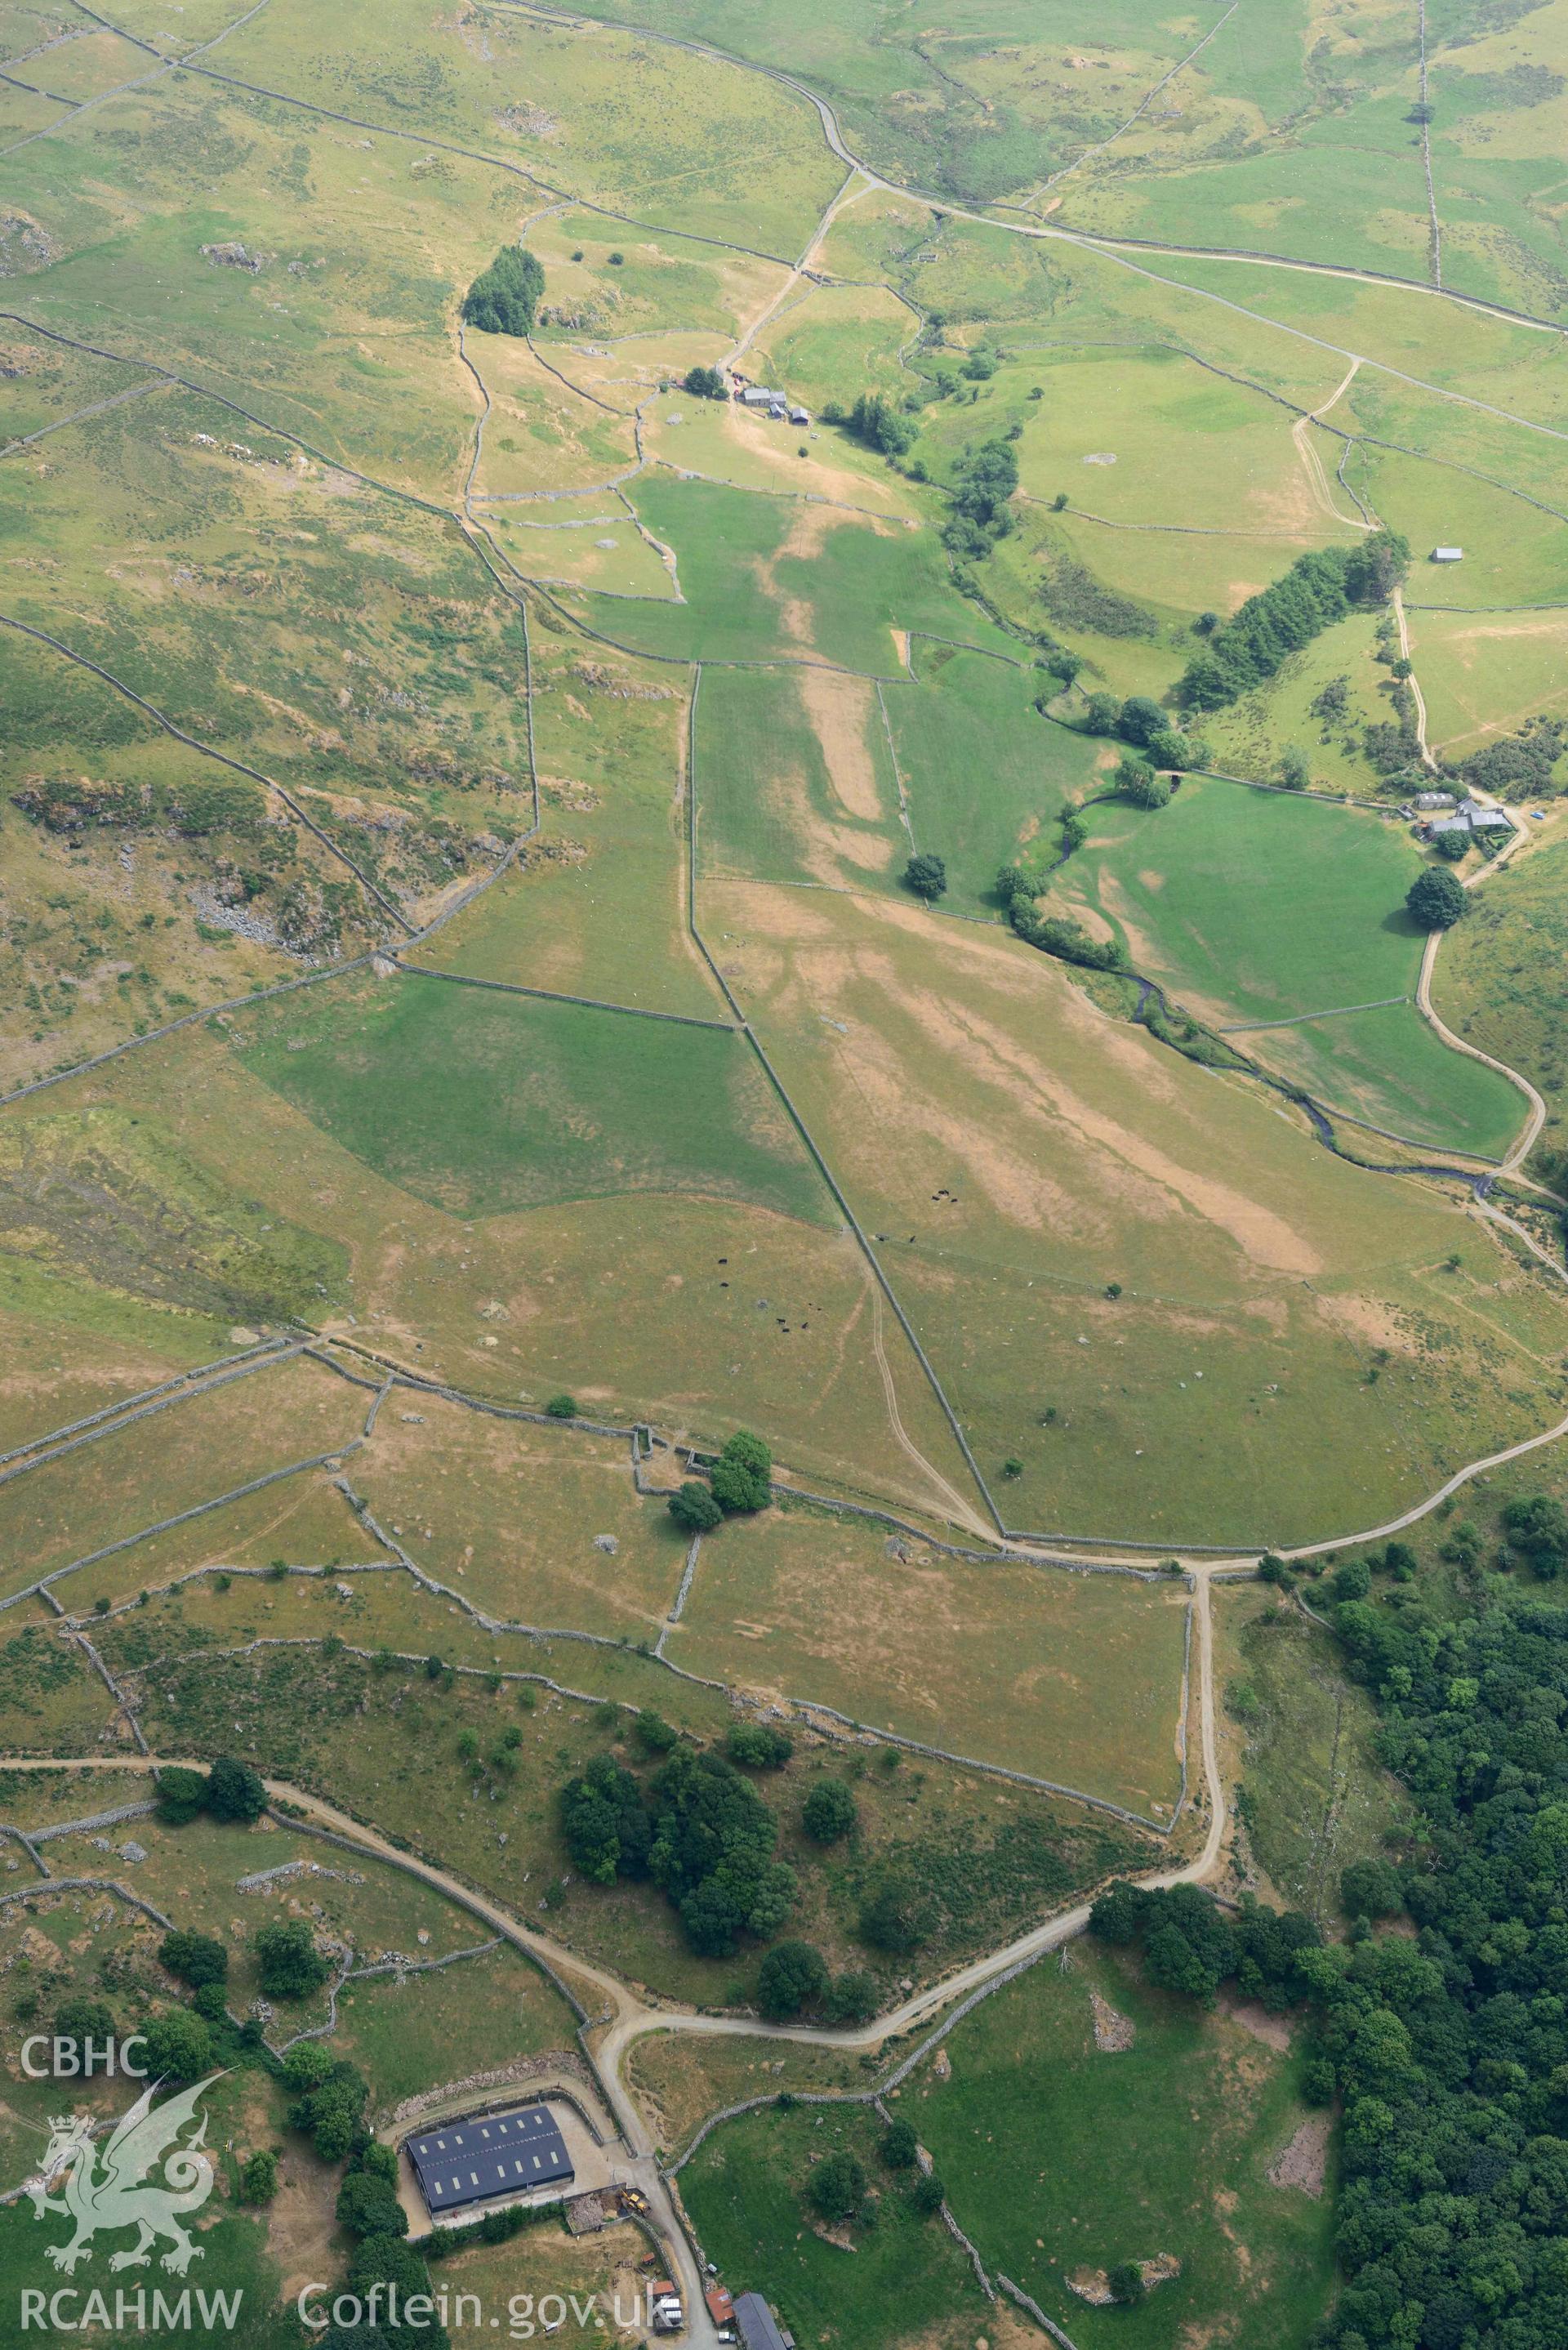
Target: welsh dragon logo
{"x":102,"y":2186}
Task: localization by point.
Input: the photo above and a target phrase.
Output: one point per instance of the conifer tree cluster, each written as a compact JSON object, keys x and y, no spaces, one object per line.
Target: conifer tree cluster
{"x":1317,"y":590}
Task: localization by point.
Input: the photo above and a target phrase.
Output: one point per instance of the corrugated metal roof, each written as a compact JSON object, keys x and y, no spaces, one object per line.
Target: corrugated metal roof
{"x":494,"y":2154}
{"x":759,"y":2328}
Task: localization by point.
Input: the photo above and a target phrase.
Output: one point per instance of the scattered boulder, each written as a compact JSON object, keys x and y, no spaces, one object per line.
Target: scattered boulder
{"x":235,"y":256}
{"x":1113,"y":2031}
{"x":1304,"y":2163}
{"x":1094,"y":2286}
{"x":23,"y":244}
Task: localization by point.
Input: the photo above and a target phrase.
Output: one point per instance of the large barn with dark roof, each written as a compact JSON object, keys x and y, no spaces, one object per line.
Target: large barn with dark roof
{"x":491,"y":2156}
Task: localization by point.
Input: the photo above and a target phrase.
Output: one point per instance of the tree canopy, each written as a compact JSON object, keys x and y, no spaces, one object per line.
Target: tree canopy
{"x":1318,"y":589}
{"x":926,"y":876}
{"x":288,"y":1964}
{"x":792,"y":1975}
{"x":693,"y":1508}
{"x":502,"y":298}
{"x":828,"y":1812}
{"x":195,"y":1958}
{"x":1436,"y":899}
{"x":741,"y":1478}
{"x":700,"y":1830}
{"x":875,"y":421}
{"x":1136,"y":781}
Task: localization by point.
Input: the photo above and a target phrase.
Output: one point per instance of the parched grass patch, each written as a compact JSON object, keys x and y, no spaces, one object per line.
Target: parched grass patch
{"x":301,"y":1522}
{"x":75,"y":1347}
{"x":599,"y":547}
{"x":534,"y":1525}
{"x":698,"y":1313}
{"x":1161,"y":2147}
{"x":796,"y":780}
{"x":684,"y":2076}
{"x":1272,"y":1358}
{"x":541,"y":435}
{"x":1485,"y":674}
{"x":202,"y":1446}
{"x":1262,"y":906}
{"x":596,"y":907}
{"x":543,"y":2266}
{"x":1072,"y":1677}
{"x":723,"y":444}
{"x":484,"y":1103}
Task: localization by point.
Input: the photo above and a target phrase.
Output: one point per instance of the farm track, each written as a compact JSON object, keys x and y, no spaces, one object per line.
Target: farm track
{"x":1321,"y":1121}
{"x":954,"y":210}
{"x":1138,"y":112}
{"x":630,"y":2018}
{"x":627,"y":2018}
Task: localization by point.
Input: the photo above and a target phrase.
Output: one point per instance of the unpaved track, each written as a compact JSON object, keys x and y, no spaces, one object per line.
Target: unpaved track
{"x":1312,"y":463}
{"x":1525,"y":1142}
{"x":968,"y":1517}
{"x":631,"y":2018}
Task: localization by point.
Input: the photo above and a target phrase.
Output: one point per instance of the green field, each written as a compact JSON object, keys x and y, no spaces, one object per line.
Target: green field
{"x":772,"y":579}
{"x":1258,"y":907}
{"x":796,"y":780}
{"x":986,"y":777}
{"x":1161,"y":2147}
{"x":501,"y":1102}
{"x":1312,"y":1794}
{"x":900,"y":2281}
{"x":1499,"y":980}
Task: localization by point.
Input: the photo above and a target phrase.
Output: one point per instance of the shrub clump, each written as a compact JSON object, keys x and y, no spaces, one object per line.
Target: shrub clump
{"x":741,"y":1478}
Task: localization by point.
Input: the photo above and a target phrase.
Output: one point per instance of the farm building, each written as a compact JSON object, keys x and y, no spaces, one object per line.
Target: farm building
{"x":1470,"y":817}
{"x":758,"y":2328}
{"x":491,"y":2156}
{"x":1448,"y":553}
{"x":800,"y":416}
{"x":1434,"y":799}
{"x":757,"y":395}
